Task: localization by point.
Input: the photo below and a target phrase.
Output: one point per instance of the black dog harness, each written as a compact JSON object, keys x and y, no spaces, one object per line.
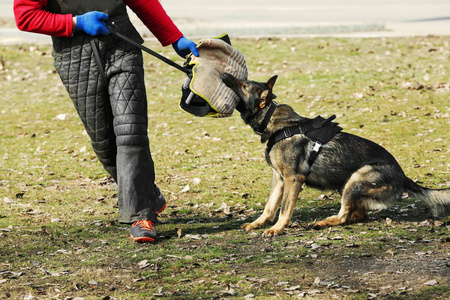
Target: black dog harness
{"x":319,"y":129}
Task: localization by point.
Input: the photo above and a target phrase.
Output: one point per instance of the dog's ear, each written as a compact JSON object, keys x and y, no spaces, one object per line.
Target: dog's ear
{"x":271,"y":82}
{"x":267,"y":96}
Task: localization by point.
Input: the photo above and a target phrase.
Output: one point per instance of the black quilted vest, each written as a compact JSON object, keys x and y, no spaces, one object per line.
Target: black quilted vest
{"x":79,"y":7}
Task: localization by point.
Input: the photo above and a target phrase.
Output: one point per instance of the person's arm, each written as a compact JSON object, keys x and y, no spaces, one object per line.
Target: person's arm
{"x":153,"y":15}
{"x":31,"y":16}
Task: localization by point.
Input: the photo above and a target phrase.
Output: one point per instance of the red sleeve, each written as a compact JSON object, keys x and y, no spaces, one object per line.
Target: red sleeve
{"x":153,"y":15}
{"x":31,"y":16}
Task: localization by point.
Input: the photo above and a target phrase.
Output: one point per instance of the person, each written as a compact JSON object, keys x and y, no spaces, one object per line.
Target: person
{"x":104,"y":77}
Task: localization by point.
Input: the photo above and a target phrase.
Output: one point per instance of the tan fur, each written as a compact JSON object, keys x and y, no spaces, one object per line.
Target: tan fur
{"x":351,"y":211}
{"x":284,"y":191}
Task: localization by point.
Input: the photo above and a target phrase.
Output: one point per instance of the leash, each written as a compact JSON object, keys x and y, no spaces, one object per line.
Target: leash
{"x":151,"y":52}
{"x":98,"y":61}
{"x":187,"y":71}
{"x":94,"y":47}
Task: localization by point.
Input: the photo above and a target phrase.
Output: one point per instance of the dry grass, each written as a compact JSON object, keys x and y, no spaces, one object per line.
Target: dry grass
{"x":58,"y":232}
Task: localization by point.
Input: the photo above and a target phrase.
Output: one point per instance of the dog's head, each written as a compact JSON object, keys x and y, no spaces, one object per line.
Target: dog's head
{"x":254,"y":96}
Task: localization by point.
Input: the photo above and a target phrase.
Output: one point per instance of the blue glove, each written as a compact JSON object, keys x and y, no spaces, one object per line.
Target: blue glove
{"x":92,"y":23}
{"x":184,"y":46}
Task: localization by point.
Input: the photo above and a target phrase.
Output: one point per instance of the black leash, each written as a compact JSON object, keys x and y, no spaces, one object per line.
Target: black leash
{"x":98,"y":61}
{"x":142,"y":47}
{"x":150,"y":51}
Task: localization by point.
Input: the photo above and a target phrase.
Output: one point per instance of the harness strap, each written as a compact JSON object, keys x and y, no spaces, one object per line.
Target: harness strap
{"x":313,"y":155}
{"x":266,"y":119}
{"x":320,"y":130}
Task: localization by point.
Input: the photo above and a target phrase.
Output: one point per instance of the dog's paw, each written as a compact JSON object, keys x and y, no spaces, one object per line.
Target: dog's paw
{"x":318,"y":225}
{"x":330,"y":221}
{"x":272,"y":232}
{"x":249,"y":226}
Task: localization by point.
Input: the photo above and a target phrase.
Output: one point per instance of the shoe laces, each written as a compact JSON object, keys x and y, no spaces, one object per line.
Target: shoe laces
{"x":144,"y":224}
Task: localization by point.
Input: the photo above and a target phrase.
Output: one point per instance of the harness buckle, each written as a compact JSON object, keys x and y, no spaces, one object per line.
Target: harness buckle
{"x":287,"y":132}
{"x":317,"y":146}
{"x":301,"y":129}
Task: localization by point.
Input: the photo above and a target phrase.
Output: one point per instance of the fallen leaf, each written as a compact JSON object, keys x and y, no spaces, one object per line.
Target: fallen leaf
{"x":223,"y":207}
{"x":7,"y":200}
{"x":313,"y":292}
{"x":143,"y":264}
{"x":390,"y":252}
{"x":61,"y":117}
{"x":185,"y":189}
{"x":229,"y":290}
{"x":431,"y":282}
{"x":314,"y":246}
{"x":193,"y":236}
{"x":293,"y":288}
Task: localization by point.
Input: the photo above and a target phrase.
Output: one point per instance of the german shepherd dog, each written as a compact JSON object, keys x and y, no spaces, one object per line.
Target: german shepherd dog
{"x":365,"y":174}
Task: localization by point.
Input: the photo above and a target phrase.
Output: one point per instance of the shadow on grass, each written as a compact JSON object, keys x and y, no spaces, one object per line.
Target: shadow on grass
{"x":406,"y":211}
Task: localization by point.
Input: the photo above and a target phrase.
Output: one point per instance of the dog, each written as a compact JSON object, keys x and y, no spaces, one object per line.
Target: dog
{"x":365,"y":174}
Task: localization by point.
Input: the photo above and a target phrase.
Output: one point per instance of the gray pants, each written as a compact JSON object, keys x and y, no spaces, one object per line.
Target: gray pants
{"x":114,"y":113}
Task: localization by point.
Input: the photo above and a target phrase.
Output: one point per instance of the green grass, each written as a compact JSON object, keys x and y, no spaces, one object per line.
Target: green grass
{"x":59,"y":235}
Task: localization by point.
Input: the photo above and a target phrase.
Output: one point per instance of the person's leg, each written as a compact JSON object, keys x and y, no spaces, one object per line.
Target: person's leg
{"x":79,"y":73}
{"x":115,"y":120}
{"x":135,"y":168}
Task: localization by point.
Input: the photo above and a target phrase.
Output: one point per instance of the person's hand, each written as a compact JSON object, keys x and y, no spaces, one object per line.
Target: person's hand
{"x":92,"y":23}
{"x":184,"y":46}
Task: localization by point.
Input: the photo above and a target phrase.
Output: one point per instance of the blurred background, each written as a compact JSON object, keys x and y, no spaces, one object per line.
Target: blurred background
{"x":263,"y":18}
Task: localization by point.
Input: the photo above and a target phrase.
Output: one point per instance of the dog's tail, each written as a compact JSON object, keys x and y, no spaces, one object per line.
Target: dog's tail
{"x":438,"y":200}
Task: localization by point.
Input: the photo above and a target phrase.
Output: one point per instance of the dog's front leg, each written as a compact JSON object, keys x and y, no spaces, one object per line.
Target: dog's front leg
{"x":276,"y":193}
{"x":292,"y":187}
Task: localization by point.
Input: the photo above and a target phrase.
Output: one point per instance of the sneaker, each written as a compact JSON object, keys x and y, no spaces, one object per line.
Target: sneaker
{"x":160,"y":201}
{"x":143,"y":231}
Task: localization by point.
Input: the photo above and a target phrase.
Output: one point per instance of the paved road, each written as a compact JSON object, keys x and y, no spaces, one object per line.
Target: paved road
{"x":206,"y":18}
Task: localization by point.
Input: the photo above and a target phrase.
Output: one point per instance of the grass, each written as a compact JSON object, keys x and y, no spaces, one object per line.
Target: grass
{"x":59,"y":236}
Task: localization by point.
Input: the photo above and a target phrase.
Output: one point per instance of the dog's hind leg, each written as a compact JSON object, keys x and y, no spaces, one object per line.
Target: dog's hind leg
{"x":276,"y":193}
{"x":292,"y":187}
{"x":350,"y":212}
{"x":366,"y":188}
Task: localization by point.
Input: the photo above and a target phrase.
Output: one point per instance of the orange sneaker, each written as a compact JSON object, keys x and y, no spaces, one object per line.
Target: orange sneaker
{"x":143,"y":231}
